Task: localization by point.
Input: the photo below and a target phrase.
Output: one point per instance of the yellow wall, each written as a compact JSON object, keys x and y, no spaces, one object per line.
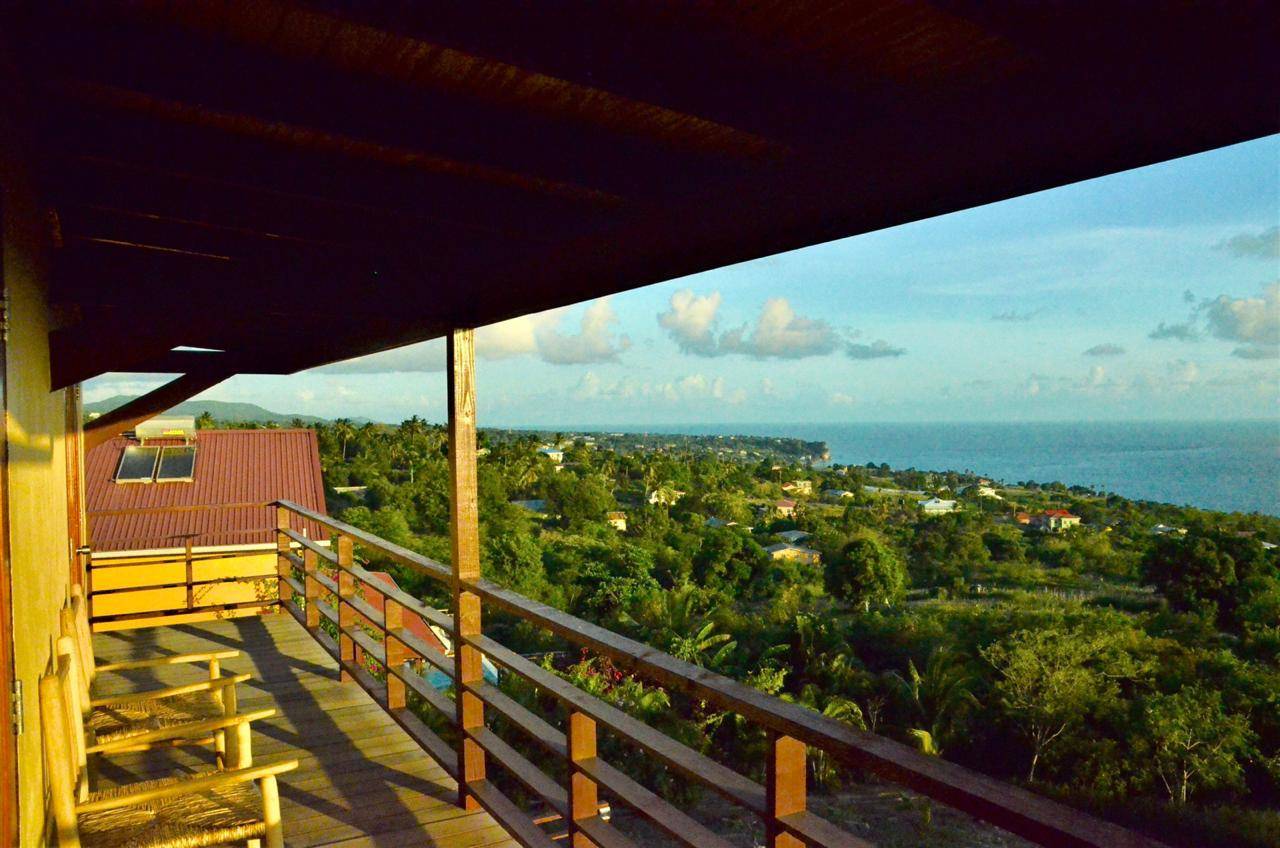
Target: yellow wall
{"x":37,"y":501}
{"x":131,"y":585}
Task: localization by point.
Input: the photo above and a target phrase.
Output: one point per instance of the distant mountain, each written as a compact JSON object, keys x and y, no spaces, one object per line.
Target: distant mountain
{"x":221,"y":410}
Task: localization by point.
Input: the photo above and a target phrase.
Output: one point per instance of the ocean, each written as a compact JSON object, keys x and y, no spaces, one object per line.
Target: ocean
{"x":1229,"y":466}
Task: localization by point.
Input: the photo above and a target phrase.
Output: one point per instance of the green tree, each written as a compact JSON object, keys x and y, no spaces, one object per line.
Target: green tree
{"x":867,"y":571}
{"x":205,"y":421}
{"x":1195,"y":742}
{"x":1191,"y":572}
{"x":1050,"y":679}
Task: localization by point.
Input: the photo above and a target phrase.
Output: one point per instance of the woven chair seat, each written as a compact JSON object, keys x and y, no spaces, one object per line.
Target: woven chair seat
{"x":228,"y":814}
{"x":110,"y":722}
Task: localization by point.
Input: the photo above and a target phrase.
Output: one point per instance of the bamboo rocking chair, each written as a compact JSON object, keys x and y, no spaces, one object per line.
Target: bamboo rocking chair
{"x":185,"y":811}
{"x":113,"y":717}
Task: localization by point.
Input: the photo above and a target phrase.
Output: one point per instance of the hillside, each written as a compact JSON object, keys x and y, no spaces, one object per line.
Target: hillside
{"x":221,"y":410}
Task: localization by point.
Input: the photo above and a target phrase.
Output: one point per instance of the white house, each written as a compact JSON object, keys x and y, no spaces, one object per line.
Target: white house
{"x":937,"y":506}
{"x":836,"y":494}
{"x":1166,"y":530}
{"x":552,"y":453}
{"x":981,"y":491}
{"x":794,"y":536}
{"x":618,"y":520}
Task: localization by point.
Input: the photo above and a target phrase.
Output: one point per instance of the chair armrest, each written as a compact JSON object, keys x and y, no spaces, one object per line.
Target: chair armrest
{"x":175,"y":659}
{"x":184,"y":689}
{"x":187,"y":787}
{"x":179,"y":731}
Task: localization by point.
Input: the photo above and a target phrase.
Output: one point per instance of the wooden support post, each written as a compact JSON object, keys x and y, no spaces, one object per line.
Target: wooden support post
{"x":283,"y":544}
{"x":464,"y":533}
{"x":312,"y":587}
{"x":397,"y":653}
{"x":584,"y":800}
{"x":191,"y":589}
{"x":784,"y":787}
{"x":346,"y":612}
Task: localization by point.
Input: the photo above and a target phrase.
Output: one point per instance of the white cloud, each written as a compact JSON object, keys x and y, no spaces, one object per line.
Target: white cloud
{"x":781,"y":333}
{"x":841,"y":399}
{"x":690,"y":321}
{"x":1255,"y":321}
{"x":1097,"y":375}
{"x":1106,"y":349}
{"x":1182,"y":373}
{"x":767,"y":388}
{"x":1033,"y":386}
{"x":594,"y":341}
{"x":529,"y":335}
{"x":689,"y":388}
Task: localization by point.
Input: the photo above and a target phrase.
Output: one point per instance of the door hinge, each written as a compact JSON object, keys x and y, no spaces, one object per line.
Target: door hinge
{"x":19,"y":724}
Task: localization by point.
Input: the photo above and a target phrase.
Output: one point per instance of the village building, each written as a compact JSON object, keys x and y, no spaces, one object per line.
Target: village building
{"x":617,"y":520}
{"x":1055,"y":521}
{"x":552,"y":453}
{"x":180,"y":526}
{"x":797,"y":553}
{"x":937,"y":506}
{"x":798,"y":487}
{"x":793,"y":536}
{"x":665,"y":497}
{"x":836,"y":494}
{"x":1167,"y":530}
{"x":785,"y":508}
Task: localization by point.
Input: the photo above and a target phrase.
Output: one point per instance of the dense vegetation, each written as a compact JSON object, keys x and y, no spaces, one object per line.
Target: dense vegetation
{"x":1130,"y":665}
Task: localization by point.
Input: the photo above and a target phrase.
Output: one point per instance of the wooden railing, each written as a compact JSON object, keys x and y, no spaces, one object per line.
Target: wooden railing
{"x":329,"y":593}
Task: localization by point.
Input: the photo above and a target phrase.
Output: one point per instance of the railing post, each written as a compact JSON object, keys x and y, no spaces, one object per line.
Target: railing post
{"x":284,"y":592}
{"x":464,"y":534}
{"x":584,"y":799}
{"x":346,"y":612}
{"x":191,"y":589}
{"x":784,"y":787}
{"x":312,"y":587}
{"x":397,"y":654}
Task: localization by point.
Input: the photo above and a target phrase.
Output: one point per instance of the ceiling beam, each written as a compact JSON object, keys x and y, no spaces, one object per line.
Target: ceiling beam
{"x":297,"y":137}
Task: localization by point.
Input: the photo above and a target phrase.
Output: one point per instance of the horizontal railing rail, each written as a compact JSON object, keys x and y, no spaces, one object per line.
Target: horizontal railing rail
{"x":780,"y":803}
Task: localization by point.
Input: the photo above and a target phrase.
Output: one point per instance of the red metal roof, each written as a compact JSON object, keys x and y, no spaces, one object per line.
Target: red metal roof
{"x":414,"y":624}
{"x":235,"y":471}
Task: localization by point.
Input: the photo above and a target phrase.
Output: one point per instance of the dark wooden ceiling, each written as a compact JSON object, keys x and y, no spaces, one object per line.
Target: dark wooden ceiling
{"x":295,"y":183}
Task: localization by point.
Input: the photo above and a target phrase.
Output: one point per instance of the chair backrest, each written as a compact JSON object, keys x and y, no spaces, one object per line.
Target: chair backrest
{"x":75,"y":623}
{"x":63,"y":754}
{"x":69,"y":645}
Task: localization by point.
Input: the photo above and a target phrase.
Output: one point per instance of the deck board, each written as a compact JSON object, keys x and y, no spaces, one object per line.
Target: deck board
{"x":362,"y":782}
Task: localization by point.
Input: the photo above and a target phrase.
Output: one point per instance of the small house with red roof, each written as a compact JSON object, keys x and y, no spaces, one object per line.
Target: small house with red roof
{"x":1055,"y":521}
{"x":181,"y":526}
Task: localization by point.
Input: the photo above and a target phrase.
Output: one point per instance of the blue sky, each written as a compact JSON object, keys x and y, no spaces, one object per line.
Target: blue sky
{"x":1151,"y":294}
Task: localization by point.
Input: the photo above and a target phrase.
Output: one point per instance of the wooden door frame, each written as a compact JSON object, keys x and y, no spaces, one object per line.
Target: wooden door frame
{"x":8,"y":741}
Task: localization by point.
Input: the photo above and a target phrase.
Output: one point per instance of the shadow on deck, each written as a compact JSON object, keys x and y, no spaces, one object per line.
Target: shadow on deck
{"x":361,"y":780}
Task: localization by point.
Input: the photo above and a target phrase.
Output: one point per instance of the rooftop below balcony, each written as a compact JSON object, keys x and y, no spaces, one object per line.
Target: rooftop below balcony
{"x":362,"y":780}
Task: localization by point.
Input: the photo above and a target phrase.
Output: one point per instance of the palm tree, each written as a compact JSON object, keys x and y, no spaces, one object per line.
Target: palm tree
{"x":345,"y":431}
{"x":938,"y":697}
{"x":673,"y":621}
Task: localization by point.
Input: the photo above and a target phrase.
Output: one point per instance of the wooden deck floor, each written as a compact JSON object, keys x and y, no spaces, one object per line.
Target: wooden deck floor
{"x":361,"y":780}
